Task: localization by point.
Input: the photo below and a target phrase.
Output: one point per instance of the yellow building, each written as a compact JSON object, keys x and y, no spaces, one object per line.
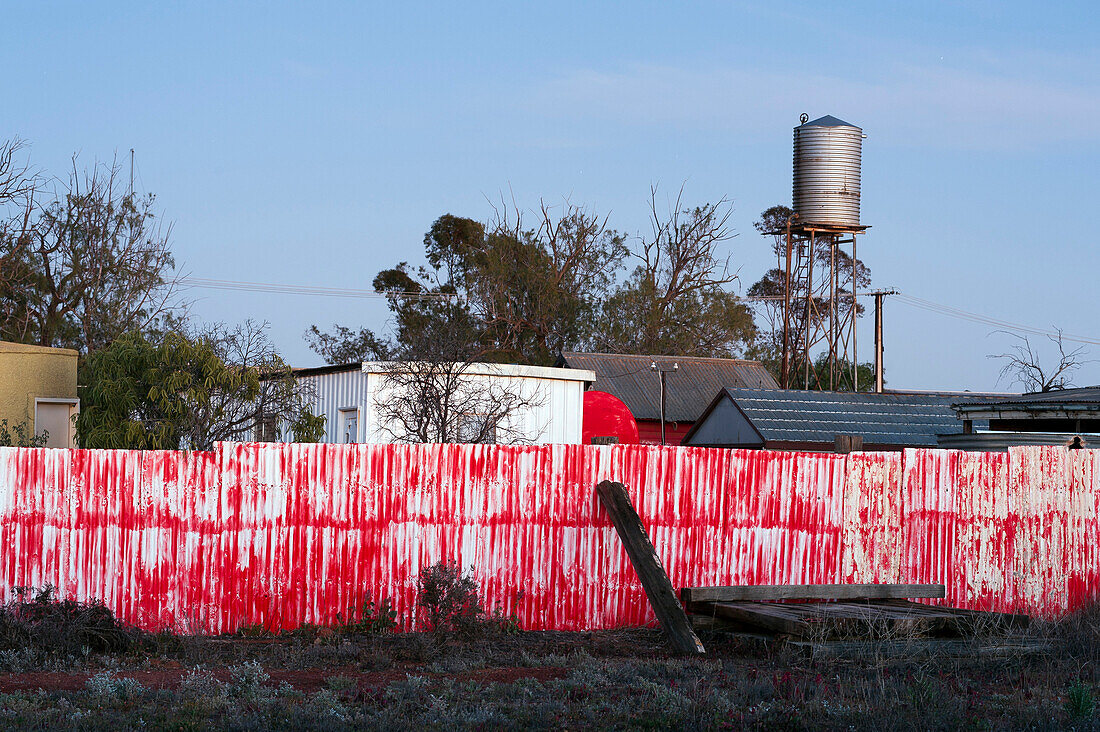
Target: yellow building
{"x":38,"y":386}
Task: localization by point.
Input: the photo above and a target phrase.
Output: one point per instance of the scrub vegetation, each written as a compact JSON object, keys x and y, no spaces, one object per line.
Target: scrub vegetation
{"x":67,"y":665}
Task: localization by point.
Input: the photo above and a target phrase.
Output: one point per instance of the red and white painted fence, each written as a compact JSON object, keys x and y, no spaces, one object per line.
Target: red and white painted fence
{"x":289,"y":534}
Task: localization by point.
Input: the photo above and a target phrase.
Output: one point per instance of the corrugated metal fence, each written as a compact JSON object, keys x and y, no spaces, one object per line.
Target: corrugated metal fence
{"x":287,"y":534}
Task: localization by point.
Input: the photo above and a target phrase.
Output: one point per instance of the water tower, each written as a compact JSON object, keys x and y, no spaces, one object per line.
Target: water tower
{"x":822,"y":235}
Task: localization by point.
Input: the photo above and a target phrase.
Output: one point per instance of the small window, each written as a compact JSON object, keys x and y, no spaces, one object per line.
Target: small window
{"x":267,"y":428}
{"x":54,"y":418}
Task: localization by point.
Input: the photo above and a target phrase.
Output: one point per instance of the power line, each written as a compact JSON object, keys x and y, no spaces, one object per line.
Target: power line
{"x":284,"y":289}
{"x":961,"y":314}
{"x":911,"y":300}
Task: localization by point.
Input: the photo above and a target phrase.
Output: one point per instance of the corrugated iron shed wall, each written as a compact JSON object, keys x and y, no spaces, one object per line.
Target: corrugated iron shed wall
{"x":287,"y":534}
{"x":689,"y":390}
{"x":336,"y":390}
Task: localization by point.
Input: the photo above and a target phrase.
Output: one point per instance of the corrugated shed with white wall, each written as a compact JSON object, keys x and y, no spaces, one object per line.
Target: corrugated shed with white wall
{"x":347,"y":397}
{"x":335,"y":390}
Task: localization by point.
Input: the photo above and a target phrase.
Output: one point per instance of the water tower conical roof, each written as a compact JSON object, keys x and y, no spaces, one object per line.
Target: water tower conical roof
{"x":828,"y":121}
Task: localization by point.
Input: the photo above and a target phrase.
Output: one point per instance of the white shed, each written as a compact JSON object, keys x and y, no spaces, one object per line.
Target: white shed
{"x":349,"y":397}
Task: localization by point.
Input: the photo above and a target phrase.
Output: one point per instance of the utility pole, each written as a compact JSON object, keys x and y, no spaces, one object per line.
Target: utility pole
{"x":661,"y":371}
{"x":785,"y":376}
{"x":879,"y":294}
{"x":131,"y":172}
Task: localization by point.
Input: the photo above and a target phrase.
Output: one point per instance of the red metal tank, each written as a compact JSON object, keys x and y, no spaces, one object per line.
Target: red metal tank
{"x":607,"y":416}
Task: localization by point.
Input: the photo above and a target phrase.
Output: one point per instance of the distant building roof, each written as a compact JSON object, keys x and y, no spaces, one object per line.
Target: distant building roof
{"x":787,"y":418}
{"x":329,"y":369}
{"x":688,"y":391}
{"x":1057,"y":403}
{"x":513,"y":370}
{"x":472,"y":369}
{"x":999,"y":441}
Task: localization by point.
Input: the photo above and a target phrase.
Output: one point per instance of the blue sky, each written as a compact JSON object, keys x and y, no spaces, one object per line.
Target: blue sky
{"x":314,"y":144}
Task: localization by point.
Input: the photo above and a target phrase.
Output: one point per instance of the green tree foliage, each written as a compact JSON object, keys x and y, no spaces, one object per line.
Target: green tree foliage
{"x":20,"y":435}
{"x":344,"y":345}
{"x":188,"y":392}
{"x":821,"y":379}
{"x":520,"y":293}
{"x":83,"y":265}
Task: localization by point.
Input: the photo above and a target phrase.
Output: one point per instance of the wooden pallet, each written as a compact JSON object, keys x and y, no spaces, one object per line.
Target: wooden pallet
{"x":831,"y":612}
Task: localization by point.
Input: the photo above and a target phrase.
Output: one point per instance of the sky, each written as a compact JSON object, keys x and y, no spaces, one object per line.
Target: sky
{"x":314,"y":144}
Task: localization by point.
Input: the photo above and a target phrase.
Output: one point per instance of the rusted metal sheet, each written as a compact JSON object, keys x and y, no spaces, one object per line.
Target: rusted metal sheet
{"x":282,"y":534}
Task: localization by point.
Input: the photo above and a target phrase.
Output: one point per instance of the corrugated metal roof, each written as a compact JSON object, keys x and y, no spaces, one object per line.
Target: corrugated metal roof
{"x":1001,"y":441}
{"x":688,"y":391}
{"x":1087,"y":395}
{"x":883,"y":419}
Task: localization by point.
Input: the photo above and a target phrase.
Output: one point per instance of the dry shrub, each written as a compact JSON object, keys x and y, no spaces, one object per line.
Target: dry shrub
{"x":35,"y":619}
{"x":449,"y":600}
{"x":1079,"y":633}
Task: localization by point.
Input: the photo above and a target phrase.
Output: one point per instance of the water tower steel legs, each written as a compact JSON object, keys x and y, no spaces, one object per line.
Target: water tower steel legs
{"x":807,"y":326}
{"x":832,"y":329}
{"x":785,"y":376}
{"x":854,"y":357}
{"x":833,"y":310}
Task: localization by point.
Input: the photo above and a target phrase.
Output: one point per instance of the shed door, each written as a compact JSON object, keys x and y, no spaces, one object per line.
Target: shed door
{"x":349,"y":419}
{"x":56,"y":419}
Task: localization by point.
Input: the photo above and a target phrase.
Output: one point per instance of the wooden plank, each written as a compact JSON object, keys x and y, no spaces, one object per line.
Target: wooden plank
{"x":768,"y":617}
{"x":848,"y":443}
{"x":658,"y":588}
{"x":979,"y":619}
{"x":920,"y":648}
{"x":878,"y":621}
{"x":763,"y":593}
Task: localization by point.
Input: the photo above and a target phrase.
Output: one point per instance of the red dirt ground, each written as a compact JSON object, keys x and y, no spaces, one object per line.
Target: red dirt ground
{"x":170,"y":673}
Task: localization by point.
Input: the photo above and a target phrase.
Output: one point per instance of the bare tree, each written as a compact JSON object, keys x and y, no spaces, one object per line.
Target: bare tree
{"x":272,"y":407}
{"x":676,"y":299}
{"x":17,"y":186}
{"x":17,"y":179}
{"x":537,"y":287}
{"x":439,"y":392}
{"x":1023,"y":366}
{"x":84,"y":262}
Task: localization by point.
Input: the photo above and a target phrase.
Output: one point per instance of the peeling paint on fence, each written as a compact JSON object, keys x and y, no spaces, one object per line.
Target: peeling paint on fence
{"x":282,"y":535}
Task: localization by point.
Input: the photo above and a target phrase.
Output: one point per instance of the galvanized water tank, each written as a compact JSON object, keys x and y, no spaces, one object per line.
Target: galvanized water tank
{"x":826,"y":172}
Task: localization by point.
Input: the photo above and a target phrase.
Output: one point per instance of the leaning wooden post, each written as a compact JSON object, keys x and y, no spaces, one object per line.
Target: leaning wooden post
{"x":658,"y":588}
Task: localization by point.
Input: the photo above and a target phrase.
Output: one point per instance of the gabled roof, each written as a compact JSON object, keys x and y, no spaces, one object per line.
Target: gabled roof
{"x":893,"y":418}
{"x":688,"y":390}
